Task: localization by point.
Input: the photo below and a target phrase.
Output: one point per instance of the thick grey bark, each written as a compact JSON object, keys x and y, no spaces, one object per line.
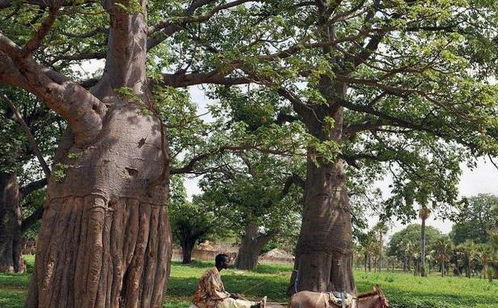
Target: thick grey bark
{"x":324,"y":254}
{"x":10,"y":225}
{"x":105,"y":238}
{"x":250,"y":247}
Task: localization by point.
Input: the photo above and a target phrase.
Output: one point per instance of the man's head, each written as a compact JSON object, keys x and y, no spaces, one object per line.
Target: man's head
{"x":221,"y":261}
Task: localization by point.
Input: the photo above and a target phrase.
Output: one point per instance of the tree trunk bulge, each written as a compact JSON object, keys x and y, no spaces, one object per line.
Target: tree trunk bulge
{"x":105,"y":236}
{"x":10,"y":225}
{"x":250,"y":247}
{"x":324,"y":252}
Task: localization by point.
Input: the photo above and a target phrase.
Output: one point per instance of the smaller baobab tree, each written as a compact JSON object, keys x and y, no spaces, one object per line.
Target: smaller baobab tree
{"x":191,"y":221}
{"x":424,"y":213}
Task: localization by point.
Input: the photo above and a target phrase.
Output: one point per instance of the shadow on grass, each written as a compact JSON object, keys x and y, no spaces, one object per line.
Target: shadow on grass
{"x":273,"y":268}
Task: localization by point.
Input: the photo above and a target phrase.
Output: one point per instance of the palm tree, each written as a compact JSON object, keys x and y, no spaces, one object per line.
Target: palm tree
{"x":379,"y":230}
{"x":424,"y":213}
{"x":484,"y":255}
{"x":442,"y":248}
{"x":493,"y":243}
{"x":468,"y":250}
{"x":409,"y":252}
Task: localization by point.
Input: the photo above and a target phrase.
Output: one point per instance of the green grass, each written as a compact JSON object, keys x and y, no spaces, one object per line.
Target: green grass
{"x":403,"y":290}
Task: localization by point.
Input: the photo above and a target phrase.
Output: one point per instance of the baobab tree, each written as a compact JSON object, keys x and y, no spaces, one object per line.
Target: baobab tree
{"x":105,"y":237}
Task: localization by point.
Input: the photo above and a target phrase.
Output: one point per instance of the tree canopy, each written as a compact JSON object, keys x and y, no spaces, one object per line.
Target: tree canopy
{"x":408,"y":240}
{"x":474,"y":219}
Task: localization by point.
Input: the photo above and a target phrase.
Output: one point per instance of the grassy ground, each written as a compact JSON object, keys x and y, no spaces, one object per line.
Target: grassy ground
{"x":403,"y":290}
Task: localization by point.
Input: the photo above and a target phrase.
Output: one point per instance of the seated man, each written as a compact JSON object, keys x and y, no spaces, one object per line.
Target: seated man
{"x":211,"y":293}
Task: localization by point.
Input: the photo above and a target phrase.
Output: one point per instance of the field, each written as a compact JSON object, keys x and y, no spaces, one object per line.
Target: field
{"x":403,"y":290}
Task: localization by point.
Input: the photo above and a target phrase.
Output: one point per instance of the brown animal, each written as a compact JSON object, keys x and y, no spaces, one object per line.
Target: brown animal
{"x":308,"y":299}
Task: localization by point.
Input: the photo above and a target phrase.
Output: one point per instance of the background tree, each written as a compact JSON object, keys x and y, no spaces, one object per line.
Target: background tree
{"x":405,"y":244}
{"x":254,"y":191}
{"x":363,"y":78}
{"x":28,"y":135}
{"x":192,"y":222}
{"x":474,"y":218}
{"x":379,"y":231}
{"x":443,"y":250}
{"x":424,"y":213}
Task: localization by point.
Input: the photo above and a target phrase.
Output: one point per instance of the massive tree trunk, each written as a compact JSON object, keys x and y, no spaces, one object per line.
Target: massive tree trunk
{"x":105,"y":236}
{"x":10,"y":225}
{"x":324,"y":254}
{"x":250,"y":247}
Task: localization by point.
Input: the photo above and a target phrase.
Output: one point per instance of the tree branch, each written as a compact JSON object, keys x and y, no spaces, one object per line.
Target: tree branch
{"x":126,"y":57}
{"x":293,"y":179}
{"x":181,"y":79}
{"x":31,"y":138}
{"x":169,"y":27}
{"x":37,"y":39}
{"x":80,"y":56}
{"x":398,"y":122}
{"x":190,"y":166}
{"x":354,"y":128}
{"x":82,"y":110}
{"x":32,"y":219}
{"x":31,"y":187}
{"x":87,"y":34}
{"x":369,"y":49}
{"x":44,"y":3}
